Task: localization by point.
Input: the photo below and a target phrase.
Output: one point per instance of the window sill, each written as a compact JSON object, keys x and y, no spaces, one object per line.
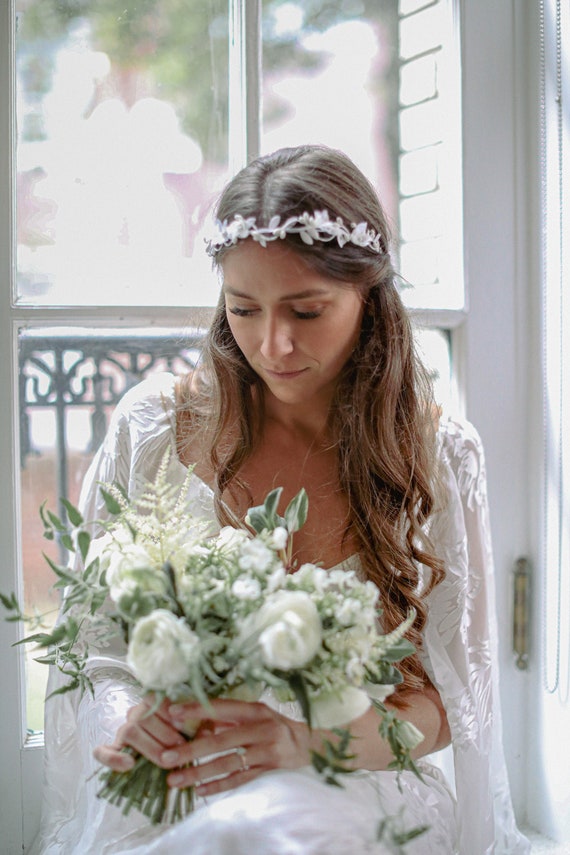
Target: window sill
{"x":540,"y":843}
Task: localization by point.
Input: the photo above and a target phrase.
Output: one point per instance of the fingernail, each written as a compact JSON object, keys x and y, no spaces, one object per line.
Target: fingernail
{"x":170,"y":757}
{"x":175,"y":780}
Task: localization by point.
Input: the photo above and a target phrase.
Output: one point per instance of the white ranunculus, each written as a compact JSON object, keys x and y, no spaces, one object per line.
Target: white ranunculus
{"x":290,"y":630}
{"x":338,"y":708}
{"x":161,"y":650}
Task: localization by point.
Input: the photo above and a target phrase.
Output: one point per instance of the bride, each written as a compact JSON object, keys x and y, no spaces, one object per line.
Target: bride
{"x":309,"y":379}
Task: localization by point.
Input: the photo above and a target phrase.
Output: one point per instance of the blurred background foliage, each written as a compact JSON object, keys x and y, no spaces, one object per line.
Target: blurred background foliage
{"x":175,"y":49}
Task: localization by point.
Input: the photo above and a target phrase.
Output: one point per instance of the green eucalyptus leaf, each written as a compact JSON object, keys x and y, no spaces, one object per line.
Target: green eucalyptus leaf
{"x":73,"y":514}
{"x":55,"y":521}
{"x":67,"y":541}
{"x":69,"y":687}
{"x":399,"y":650}
{"x":296,"y":511}
{"x":297,"y":684}
{"x":271,"y":503}
{"x":111,"y":503}
{"x":9,"y":602}
{"x":62,"y":573}
{"x":45,"y":660}
{"x":256,"y":519}
{"x":84,"y":541}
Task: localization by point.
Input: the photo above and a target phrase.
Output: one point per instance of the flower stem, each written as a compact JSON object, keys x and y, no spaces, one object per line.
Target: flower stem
{"x":145,"y":787}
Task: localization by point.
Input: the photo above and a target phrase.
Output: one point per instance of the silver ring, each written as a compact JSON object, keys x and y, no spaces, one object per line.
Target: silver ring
{"x":242,"y":754}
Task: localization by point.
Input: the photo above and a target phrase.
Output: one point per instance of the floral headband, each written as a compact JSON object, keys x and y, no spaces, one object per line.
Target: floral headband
{"x":309,"y":227}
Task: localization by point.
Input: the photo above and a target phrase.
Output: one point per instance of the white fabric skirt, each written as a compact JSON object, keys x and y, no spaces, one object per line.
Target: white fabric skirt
{"x":296,"y":813}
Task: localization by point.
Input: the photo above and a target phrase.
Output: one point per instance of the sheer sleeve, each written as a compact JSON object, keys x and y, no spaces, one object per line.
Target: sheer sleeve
{"x":461,"y":649}
{"x":73,"y":819}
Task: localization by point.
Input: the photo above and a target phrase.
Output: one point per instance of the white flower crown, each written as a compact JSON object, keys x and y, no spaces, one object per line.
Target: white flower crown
{"x":309,"y":227}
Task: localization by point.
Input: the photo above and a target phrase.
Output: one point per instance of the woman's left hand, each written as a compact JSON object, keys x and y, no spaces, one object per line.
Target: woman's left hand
{"x":239,"y":741}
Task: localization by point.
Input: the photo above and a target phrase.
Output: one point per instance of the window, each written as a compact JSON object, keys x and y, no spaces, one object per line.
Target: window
{"x":128,"y":124}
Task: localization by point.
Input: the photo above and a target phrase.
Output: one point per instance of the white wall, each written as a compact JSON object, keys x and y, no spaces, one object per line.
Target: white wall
{"x":491,"y":341}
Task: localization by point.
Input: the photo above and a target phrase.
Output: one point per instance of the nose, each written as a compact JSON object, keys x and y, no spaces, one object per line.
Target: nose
{"x":277,"y":339}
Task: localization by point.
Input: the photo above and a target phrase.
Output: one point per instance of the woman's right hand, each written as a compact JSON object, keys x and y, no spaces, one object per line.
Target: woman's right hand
{"x":148,"y":733}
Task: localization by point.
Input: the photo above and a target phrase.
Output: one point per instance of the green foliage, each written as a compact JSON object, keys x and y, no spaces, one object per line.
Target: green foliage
{"x":334,"y":758}
{"x":10,"y":603}
{"x":391,"y":833}
{"x":390,"y":729}
{"x":265,"y":517}
{"x":178,"y":50}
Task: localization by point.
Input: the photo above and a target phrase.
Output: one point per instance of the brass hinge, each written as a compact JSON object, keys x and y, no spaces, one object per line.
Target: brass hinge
{"x":521,"y":613}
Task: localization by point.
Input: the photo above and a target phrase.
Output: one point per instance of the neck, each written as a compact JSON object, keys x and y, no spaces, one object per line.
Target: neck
{"x":310,"y":423}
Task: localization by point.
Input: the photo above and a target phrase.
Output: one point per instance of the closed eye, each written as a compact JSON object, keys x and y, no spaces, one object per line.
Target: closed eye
{"x":247,"y":313}
{"x":241,"y":313}
{"x":307,"y":316}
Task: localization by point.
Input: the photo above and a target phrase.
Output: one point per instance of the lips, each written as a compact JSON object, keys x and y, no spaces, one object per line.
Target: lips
{"x":284,"y":375}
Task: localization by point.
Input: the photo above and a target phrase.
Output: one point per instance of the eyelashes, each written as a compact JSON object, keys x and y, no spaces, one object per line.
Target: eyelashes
{"x":248,"y":313}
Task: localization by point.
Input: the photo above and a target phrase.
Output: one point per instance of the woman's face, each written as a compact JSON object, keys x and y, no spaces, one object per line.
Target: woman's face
{"x":295,"y":327}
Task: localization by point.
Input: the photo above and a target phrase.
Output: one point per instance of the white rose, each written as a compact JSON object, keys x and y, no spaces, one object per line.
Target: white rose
{"x":338,"y":708}
{"x":290,"y":630}
{"x":161,"y":650}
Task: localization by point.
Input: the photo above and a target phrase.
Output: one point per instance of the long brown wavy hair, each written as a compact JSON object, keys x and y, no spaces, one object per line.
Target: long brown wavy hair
{"x":381,"y":418}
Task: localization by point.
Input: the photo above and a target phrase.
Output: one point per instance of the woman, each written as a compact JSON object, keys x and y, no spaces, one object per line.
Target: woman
{"x":309,"y":379}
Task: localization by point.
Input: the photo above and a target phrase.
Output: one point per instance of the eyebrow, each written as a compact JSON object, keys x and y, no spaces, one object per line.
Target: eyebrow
{"x":301,"y":295}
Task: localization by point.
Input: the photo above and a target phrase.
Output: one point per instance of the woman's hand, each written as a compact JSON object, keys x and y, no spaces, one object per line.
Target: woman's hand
{"x":234,"y":742}
{"x":148,"y":733}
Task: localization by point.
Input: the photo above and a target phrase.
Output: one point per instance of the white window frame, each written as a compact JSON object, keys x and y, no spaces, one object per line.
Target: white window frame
{"x":488,"y":342}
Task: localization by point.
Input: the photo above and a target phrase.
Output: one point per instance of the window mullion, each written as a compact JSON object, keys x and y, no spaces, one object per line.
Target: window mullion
{"x":245,"y":82}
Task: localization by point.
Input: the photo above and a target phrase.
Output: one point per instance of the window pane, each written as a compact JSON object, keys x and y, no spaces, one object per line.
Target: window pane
{"x":71,"y":380}
{"x":434,"y":349}
{"x":122,"y":145}
{"x":378,"y":79}
{"x":331,"y":76}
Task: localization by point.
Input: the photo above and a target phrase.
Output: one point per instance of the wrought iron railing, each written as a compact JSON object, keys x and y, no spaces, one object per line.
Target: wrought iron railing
{"x":61,"y":370}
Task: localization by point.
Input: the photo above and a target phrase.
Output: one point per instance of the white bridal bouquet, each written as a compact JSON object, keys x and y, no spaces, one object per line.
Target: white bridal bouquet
{"x":225,"y":615}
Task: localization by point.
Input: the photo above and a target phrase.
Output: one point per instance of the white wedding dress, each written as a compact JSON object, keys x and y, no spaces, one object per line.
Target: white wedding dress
{"x":294,"y":812}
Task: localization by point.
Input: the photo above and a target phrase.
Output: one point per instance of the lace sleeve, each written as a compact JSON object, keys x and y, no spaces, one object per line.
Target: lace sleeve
{"x":140,"y":428}
{"x":461,"y":649}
